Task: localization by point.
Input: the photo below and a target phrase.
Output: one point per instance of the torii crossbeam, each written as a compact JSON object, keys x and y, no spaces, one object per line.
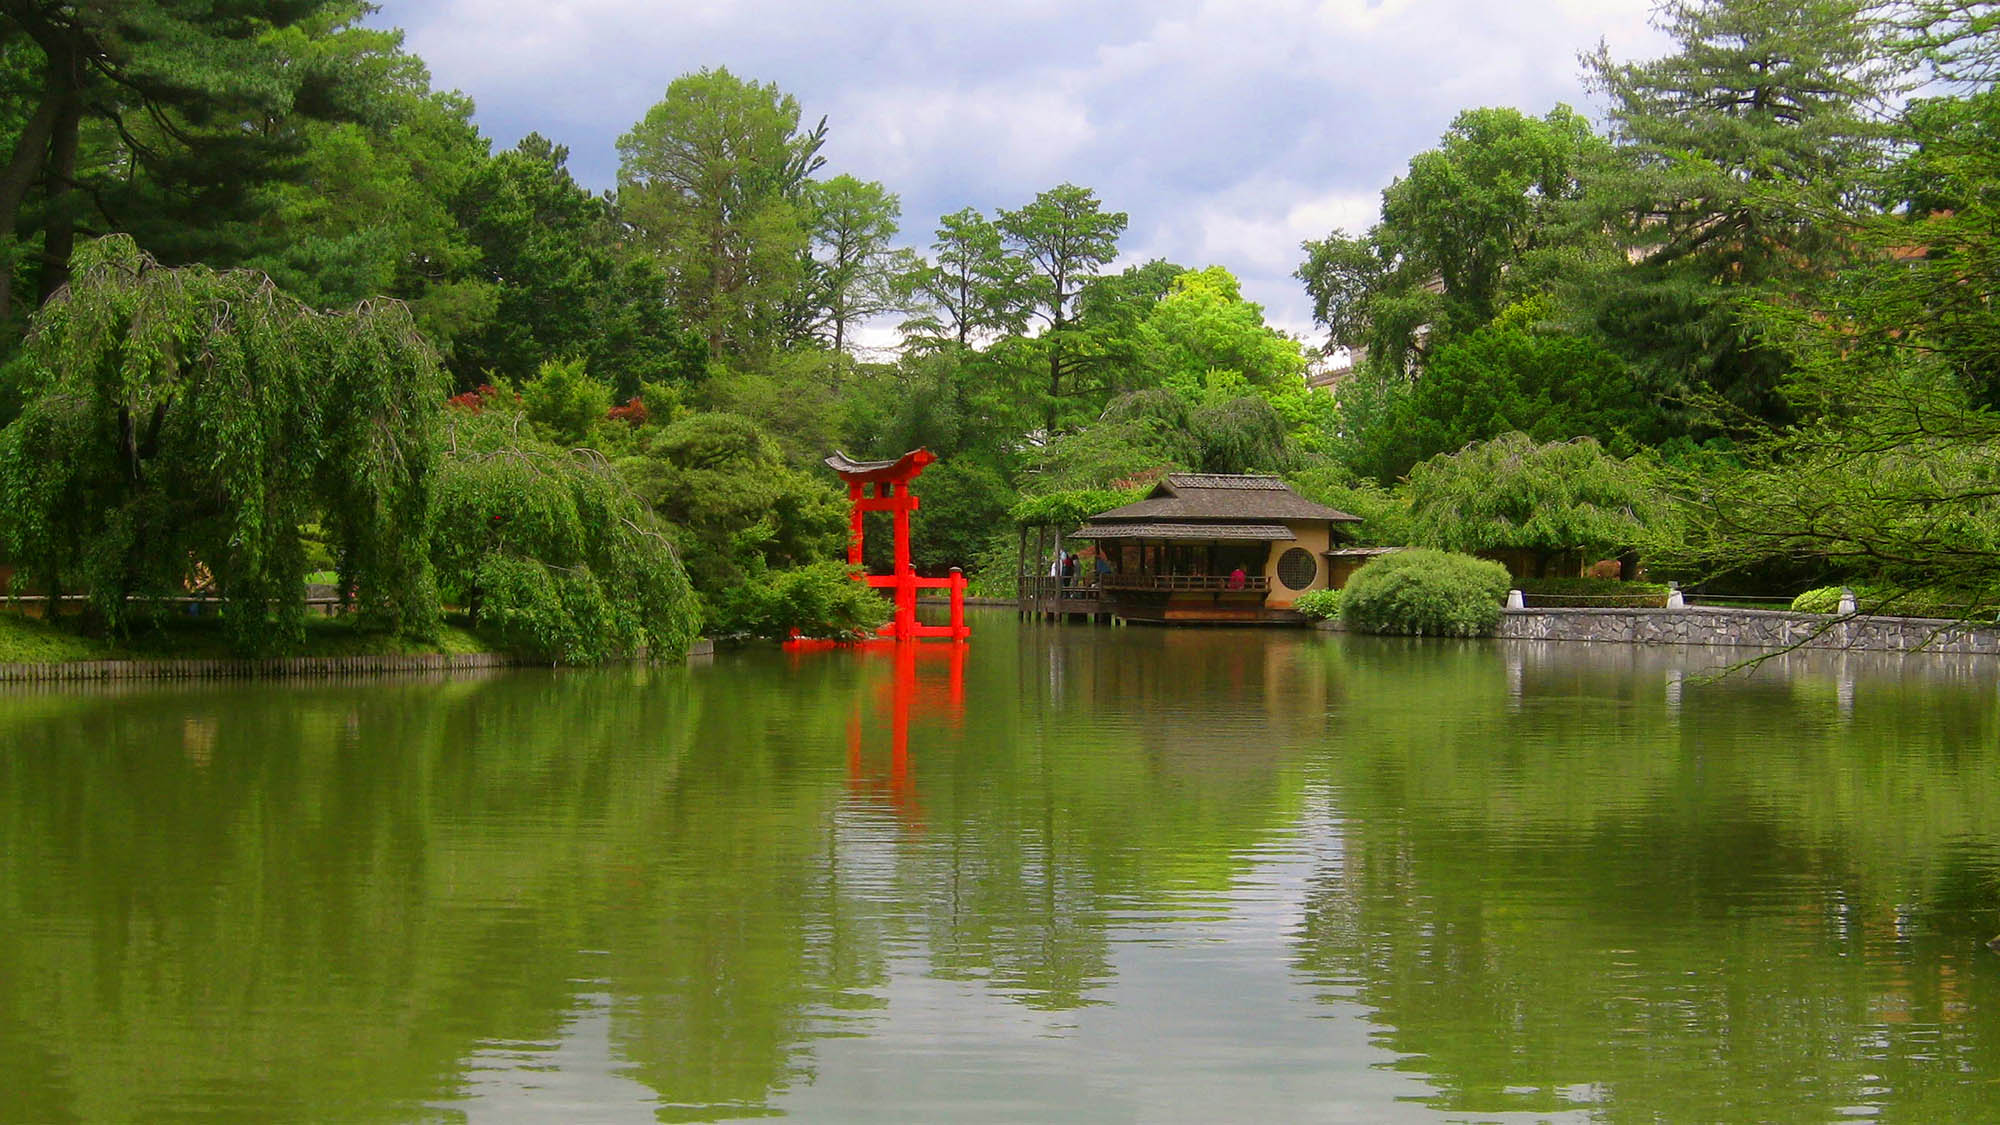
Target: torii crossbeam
{"x":890,"y":482}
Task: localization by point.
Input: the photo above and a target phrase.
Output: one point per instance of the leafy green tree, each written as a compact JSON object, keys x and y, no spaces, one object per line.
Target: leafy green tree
{"x":738,"y":509}
{"x":1887,"y":477}
{"x":564,"y":402}
{"x":1956,"y":41}
{"x":1203,"y":337}
{"x":1238,"y":435}
{"x":1515,"y":375}
{"x":105,"y":62}
{"x":1140,"y":436}
{"x":550,"y":550}
{"x":1895,"y":488}
{"x":1373,"y":438}
{"x":283,"y":135}
{"x":1385,"y":514}
{"x":820,"y":600}
{"x":1757,"y":99}
{"x":1453,"y":230}
{"x":1106,"y":331}
{"x":972,"y":291}
{"x":920,"y":401}
{"x":964,"y":500}
{"x":713,"y":180}
{"x":360,"y":206}
{"x":800,"y":399}
{"x":855,"y":270}
{"x":1547,"y":499}
{"x":558,"y":283}
{"x":182,"y":421}
{"x":1923,"y":267}
{"x":1066,"y":237}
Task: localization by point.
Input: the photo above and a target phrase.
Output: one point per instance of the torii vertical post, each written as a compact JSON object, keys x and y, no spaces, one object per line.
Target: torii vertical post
{"x":890,"y":482}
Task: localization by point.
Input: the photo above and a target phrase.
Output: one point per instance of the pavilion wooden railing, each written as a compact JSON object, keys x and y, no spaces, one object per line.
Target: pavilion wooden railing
{"x":1041,"y":586}
{"x":1185,"y":583}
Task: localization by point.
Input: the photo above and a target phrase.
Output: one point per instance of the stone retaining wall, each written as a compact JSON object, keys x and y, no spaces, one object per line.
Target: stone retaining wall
{"x":1749,"y":628}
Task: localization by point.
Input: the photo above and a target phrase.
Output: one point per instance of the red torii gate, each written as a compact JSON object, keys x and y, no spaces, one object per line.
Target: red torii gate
{"x":891,"y":483}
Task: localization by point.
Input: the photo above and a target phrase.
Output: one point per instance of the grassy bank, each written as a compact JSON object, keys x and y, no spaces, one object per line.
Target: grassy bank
{"x":27,"y":640}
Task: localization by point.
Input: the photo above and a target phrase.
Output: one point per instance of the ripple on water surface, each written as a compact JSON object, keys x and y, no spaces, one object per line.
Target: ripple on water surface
{"x":1071,"y":874}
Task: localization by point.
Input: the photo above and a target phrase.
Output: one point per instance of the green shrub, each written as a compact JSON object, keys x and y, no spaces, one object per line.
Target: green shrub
{"x":1926,"y":602}
{"x":1891,"y":601}
{"x":1426,"y":593}
{"x":548,"y":549}
{"x":1822,"y":599}
{"x":1318,"y":604}
{"x":1587,"y":592}
{"x":820,"y":600}
{"x":564,"y":402}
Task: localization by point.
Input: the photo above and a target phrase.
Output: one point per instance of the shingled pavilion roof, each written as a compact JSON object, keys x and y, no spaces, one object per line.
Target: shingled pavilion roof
{"x":1211,"y":506}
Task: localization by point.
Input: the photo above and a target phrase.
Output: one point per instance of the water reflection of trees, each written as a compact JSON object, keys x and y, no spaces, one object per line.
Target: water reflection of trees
{"x":314,"y":901}
{"x":1558,"y":891}
{"x":318,"y":901}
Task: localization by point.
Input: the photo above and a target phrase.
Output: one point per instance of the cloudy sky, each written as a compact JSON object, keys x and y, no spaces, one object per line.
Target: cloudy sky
{"x":1228,"y":131}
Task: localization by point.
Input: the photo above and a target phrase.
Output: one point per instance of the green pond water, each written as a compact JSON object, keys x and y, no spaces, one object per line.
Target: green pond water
{"x":1082,"y":874}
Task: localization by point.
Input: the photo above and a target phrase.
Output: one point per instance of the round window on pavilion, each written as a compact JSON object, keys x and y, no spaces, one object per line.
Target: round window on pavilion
{"x":1297,"y":568}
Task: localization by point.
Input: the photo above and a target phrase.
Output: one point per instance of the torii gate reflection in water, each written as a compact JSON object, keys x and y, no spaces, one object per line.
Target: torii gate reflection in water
{"x":890,"y":484}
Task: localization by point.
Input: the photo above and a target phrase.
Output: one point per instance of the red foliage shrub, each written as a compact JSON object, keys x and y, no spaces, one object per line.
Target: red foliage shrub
{"x":633,"y":413}
{"x":473,"y":400}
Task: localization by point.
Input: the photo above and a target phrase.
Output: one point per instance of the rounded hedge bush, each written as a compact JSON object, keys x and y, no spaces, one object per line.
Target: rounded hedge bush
{"x":1425,"y":593}
{"x":1318,"y":604}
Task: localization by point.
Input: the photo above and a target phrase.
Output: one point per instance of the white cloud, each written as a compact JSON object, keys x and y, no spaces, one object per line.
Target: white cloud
{"x":1230,"y":130}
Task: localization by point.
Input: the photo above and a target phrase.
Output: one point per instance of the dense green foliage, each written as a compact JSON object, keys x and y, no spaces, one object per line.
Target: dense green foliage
{"x":1757,"y":95}
{"x":714,"y":180}
{"x":1425,"y":593}
{"x":1515,"y":375}
{"x":738,"y":512}
{"x":1513,"y":493}
{"x":1318,"y":604}
{"x":1766,"y":277}
{"x":820,"y":600}
{"x":1454,"y":234}
{"x":186,"y":425}
{"x":1588,"y":592}
{"x":549,"y":549}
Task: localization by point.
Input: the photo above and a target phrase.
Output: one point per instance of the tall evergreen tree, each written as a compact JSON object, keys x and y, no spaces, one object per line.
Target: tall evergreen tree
{"x":559,"y":284}
{"x":1066,"y":236}
{"x":713,"y":180}
{"x":1456,"y":230}
{"x":1757,"y":95}
{"x":973,"y":290}
{"x":167,"y":107}
{"x":854,"y":269}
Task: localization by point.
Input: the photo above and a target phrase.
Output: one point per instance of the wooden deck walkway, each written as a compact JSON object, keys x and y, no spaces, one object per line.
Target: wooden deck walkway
{"x":1050,"y":599}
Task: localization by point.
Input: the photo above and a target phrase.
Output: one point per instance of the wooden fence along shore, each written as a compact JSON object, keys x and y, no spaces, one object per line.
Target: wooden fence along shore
{"x":300,"y":667}
{"x":303,"y":666}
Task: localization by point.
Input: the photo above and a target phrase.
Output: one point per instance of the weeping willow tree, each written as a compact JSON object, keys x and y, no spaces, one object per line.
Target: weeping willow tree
{"x":549,"y":548}
{"x":1546,"y":499}
{"x":183,"y":425}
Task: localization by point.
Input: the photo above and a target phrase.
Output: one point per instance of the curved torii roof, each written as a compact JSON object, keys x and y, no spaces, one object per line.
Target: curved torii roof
{"x":904,"y":468}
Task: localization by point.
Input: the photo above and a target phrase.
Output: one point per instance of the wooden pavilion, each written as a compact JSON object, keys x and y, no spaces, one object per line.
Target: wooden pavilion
{"x":1209,"y":548}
